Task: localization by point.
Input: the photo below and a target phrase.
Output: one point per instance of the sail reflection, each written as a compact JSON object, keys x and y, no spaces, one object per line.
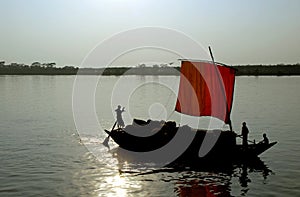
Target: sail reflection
{"x":202,"y":187}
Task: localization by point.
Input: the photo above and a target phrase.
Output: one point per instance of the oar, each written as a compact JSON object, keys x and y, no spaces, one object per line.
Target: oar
{"x":105,"y":142}
{"x":247,"y":140}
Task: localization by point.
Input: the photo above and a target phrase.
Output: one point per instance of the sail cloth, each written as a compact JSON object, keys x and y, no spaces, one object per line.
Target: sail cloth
{"x":206,"y":89}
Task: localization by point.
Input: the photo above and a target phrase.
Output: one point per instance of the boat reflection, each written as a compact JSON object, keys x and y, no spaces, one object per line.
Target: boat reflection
{"x":244,"y":170}
{"x":199,"y":180}
{"x":220,"y":183}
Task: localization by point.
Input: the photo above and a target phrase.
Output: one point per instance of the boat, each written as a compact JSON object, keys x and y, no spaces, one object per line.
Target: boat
{"x":206,"y":89}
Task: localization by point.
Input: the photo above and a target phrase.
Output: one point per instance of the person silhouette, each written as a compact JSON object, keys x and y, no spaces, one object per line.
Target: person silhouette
{"x":119,"y":111}
{"x":245,"y":133}
{"x":265,"y":139}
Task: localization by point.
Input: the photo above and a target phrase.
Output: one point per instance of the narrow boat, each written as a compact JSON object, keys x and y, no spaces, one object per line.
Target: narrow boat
{"x":206,"y":89}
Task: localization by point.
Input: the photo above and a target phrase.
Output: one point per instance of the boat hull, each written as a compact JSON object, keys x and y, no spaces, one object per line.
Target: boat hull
{"x":156,"y":135}
{"x":252,"y":150}
{"x":224,"y":150}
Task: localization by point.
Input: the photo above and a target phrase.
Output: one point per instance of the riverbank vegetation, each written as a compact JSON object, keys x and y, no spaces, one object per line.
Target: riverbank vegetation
{"x":37,"y":68}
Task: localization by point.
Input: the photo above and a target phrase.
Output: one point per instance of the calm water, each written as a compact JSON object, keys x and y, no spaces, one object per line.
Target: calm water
{"x":42,"y":154}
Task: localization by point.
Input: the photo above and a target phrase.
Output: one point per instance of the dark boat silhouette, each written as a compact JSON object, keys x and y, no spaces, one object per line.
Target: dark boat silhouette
{"x":206,"y":89}
{"x":225,"y":149}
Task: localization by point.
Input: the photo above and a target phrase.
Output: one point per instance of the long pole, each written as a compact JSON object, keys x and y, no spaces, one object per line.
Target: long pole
{"x":247,"y":140}
{"x":105,"y":142}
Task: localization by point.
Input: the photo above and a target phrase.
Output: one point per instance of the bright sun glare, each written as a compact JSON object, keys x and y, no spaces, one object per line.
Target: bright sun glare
{"x":117,"y":183}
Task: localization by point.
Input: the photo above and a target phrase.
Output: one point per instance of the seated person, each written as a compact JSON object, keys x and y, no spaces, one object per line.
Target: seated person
{"x":265,"y":140}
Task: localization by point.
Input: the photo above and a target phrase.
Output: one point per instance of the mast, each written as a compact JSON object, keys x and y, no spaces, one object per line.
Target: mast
{"x":223,"y":91}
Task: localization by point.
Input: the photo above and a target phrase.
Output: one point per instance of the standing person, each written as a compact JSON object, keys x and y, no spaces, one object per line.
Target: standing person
{"x":119,"y":111}
{"x":245,"y":133}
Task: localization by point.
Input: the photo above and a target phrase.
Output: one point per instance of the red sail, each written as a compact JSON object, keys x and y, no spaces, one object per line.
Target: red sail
{"x":206,"y":90}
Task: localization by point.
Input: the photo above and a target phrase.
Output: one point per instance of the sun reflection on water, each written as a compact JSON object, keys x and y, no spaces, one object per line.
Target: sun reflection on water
{"x":118,"y":185}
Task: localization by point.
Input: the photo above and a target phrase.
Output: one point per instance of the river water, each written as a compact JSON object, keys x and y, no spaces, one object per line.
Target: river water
{"x":42,"y":153}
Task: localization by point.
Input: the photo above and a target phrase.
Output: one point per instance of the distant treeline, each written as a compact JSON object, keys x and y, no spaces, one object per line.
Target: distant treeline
{"x":37,"y":68}
{"x":278,"y":70}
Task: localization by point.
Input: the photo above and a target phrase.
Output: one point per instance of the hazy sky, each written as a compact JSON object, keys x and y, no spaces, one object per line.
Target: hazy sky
{"x":64,"y":31}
